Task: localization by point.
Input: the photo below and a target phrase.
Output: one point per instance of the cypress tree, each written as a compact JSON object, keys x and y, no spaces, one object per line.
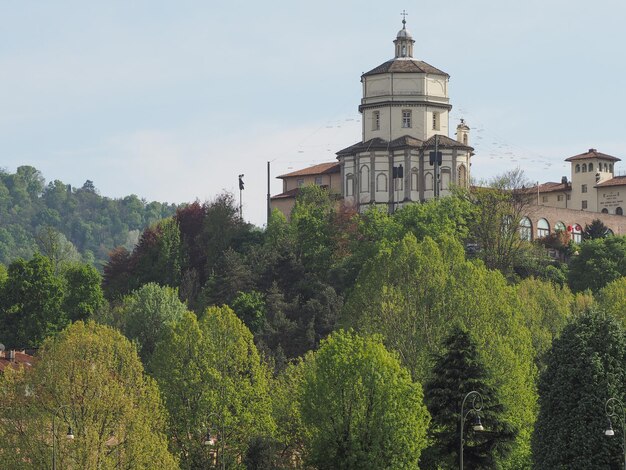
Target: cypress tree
{"x":456,"y":373}
{"x":584,"y":367}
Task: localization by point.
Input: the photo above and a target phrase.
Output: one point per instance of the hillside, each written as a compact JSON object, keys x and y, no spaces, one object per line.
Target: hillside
{"x":80,"y":222}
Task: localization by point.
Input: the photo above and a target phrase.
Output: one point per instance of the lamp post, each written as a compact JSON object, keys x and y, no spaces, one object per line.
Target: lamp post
{"x":69,"y":435}
{"x":209,"y":441}
{"x":477,"y":405}
{"x":610,"y":408}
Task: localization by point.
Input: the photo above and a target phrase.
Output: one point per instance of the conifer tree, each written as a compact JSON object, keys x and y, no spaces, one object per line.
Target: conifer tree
{"x":584,"y":367}
{"x":456,"y":373}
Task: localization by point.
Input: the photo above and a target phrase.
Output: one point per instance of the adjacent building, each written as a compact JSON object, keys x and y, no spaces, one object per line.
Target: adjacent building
{"x":326,"y":175}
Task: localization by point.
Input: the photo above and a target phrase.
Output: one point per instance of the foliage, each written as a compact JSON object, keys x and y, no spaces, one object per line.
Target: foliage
{"x":213,"y":383}
{"x":31,"y":303}
{"x":83,"y":294}
{"x":599,"y":262}
{"x":413,"y":293}
{"x":499,"y":208}
{"x":457,"y":372}
{"x":361,"y":407}
{"x":585,"y":367}
{"x":250,"y":307}
{"x":547,"y":309}
{"x":146,"y":313}
{"x":60,"y":220}
{"x":596,"y":229}
{"x":611,"y":299}
{"x":91,"y":379}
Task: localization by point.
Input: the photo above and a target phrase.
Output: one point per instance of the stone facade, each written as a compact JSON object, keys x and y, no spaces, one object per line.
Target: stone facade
{"x":405,"y":108}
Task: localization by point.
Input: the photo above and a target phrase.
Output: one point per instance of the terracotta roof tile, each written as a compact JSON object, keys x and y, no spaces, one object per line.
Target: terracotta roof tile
{"x":402,"y":65}
{"x":321,"y":169}
{"x":20,"y":358}
{"x":446,"y":142}
{"x":616,"y":181}
{"x":592,"y":153}
{"x":292,"y":193}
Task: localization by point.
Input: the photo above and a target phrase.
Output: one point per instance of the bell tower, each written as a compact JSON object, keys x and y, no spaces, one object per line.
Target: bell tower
{"x":404,"y":41}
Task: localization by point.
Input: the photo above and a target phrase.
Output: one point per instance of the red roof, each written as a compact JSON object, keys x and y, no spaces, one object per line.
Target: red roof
{"x":616,"y":181}
{"x":592,"y":153}
{"x":321,"y":169}
{"x":19,"y":358}
{"x":551,"y":187}
{"x":292,"y":193}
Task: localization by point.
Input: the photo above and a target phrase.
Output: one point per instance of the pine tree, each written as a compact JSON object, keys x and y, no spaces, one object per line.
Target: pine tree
{"x":456,"y":373}
{"x":595,"y":230}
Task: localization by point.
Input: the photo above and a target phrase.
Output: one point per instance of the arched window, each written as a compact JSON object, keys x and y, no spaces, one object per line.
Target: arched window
{"x":414,"y":179}
{"x":577,"y":232}
{"x":577,"y":168}
{"x":349,"y":184}
{"x":428,"y":182}
{"x":445,"y":178}
{"x":619,"y":211}
{"x":543,"y":228}
{"x":462,"y":176}
{"x":591,"y":167}
{"x":584,"y":167}
{"x":559,"y":227}
{"x":381,"y":182}
{"x":605,"y":211}
{"x":526,"y":229}
{"x":365,"y":179}
{"x":464,"y":139}
{"x":609,"y":232}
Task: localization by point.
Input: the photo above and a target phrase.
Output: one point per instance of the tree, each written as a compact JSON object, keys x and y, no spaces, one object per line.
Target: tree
{"x":595,"y":230}
{"x":499,"y":208}
{"x":311,"y":222}
{"x":361,"y":407}
{"x":611,"y":299}
{"x":585,"y":367}
{"x":83,"y":294}
{"x":414,"y":292}
{"x":91,"y":379}
{"x":146,"y":313}
{"x":599,"y":262}
{"x":213,"y":383}
{"x":31,"y":303}
{"x":456,"y":373}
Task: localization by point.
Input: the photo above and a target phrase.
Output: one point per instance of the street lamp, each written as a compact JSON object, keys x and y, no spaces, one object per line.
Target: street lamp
{"x":69,"y":435}
{"x":610,"y":408}
{"x":477,"y":405}
{"x":210,"y":441}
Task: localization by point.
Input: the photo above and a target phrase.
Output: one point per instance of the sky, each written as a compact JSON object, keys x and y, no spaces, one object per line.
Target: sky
{"x":171,"y":100}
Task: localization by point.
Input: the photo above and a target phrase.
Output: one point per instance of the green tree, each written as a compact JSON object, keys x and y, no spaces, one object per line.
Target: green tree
{"x":213,"y":382}
{"x":250,"y":307}
{"x":413,"y":293}
{"x":31,"y":303}
{"x":585,"y":367}
{"x":596,"y":229}
{"x":611,"y":299}
{"x":91,"y":379}
{"x":83,"y":292}
{"x":456,"y":373}
{"x":361,"y":407}
{"x":311,"y":222}
{"x":146,"y":313}
{"x":499,"y":209}
{"x":599,"y":262}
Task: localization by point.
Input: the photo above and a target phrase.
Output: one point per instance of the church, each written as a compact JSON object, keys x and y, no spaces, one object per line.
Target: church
{"x":405,"y":154}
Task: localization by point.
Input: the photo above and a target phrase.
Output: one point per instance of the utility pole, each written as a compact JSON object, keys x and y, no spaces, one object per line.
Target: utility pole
{"x":241,"y":196}
{"x":269,"y":207}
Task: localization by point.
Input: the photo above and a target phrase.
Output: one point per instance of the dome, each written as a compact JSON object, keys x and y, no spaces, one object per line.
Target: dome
{"x":404,"y":34}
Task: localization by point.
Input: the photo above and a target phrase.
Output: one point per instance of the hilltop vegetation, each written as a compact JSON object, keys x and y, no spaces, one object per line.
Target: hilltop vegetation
{"x":56,"y":217}
{"x":330,"y":340}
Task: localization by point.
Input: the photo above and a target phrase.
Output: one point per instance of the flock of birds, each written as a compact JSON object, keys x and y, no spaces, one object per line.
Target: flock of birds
{"x":321,"y":145}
